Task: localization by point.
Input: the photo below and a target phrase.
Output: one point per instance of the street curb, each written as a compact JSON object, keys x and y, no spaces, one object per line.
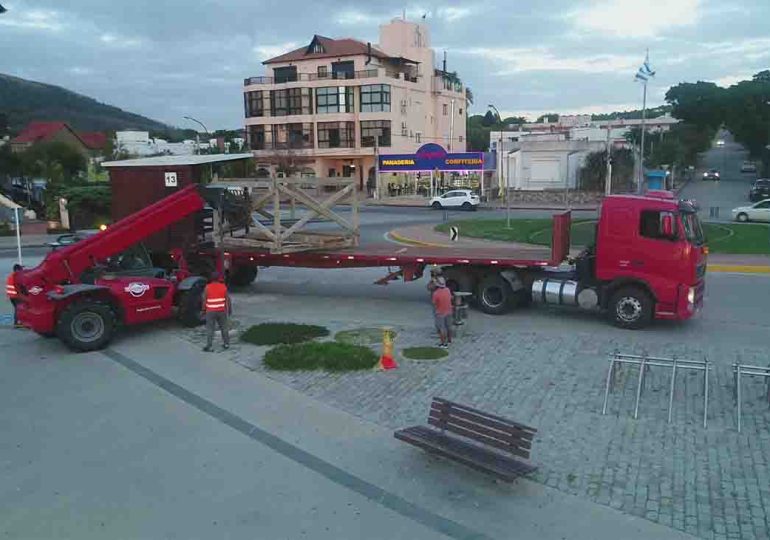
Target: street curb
{"x":411,"y":242}
{"x":738,"y":268}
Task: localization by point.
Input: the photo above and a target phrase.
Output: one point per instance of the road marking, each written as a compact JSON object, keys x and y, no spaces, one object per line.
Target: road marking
{"x":738,"y":268}
{"x":331,"y":472}
{"x":394,"y":237}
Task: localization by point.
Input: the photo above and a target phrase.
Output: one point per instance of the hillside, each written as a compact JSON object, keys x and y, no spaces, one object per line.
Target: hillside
{"x":22,"y":101}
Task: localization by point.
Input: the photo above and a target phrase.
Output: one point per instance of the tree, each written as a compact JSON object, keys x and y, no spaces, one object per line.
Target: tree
{"x":52,"y":158}
{"x":548,"y":117}
{"x":748,"y":112}
{"x":593,"y":173}
{"x":514,"y":120}
{"x":700,"y":104}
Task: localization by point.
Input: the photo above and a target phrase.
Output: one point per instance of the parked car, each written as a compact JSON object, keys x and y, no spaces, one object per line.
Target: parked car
{"x":711,"y":174}
{"x":457,"y":198}
{"x":756,"y":212}
{"x":760,"y":190}
{"x":748,"y":166}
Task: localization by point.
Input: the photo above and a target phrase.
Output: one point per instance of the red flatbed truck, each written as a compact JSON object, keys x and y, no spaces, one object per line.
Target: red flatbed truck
{"x":648,"y":261}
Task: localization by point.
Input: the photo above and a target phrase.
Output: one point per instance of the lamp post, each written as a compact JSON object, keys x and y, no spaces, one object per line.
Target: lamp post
{"x":499,"y":150}
{"x":197,"y":137}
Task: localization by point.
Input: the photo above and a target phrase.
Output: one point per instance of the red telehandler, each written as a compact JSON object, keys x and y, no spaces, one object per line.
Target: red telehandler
{"x":81,"y":292}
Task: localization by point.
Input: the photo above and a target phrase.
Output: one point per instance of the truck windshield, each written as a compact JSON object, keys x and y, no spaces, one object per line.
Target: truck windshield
{"x":693,"y":230}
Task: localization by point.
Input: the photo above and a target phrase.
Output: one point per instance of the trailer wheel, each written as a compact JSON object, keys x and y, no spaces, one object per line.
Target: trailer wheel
{"x":191,"y":306}
{"x":242,"y":276}
{"x":86,"y":325}
{"x":630,"y":308}
{"x":494,"y":295}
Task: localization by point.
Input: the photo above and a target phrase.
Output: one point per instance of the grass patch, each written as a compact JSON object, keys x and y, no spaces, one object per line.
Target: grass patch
{"x":736,"y":238}
{"x":744,"y":239}
{"x":524,"y":231}
{"x":424,"y":353}
{"x":281,"y":333}
{"x":361,"y":336}
{"x":328,"y":355}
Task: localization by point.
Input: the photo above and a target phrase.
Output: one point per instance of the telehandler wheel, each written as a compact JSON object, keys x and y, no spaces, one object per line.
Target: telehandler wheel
{"x":191,"y":306}
{"x":86,"y":325}
{"x":243,"y":276}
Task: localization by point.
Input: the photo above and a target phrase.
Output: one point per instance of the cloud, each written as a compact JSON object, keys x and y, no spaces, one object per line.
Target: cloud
{"x":119,"y":41}
{"x":264,"y":52}
{"x":354,"y":17}
{"x":729,"y":80}
{"x":635,"y":18}
{"x":38,"y":19}
{"x":517,"y":60}
{"x":454,"y":13}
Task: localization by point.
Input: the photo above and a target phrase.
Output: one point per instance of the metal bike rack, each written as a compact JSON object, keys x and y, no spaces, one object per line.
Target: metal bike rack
{"x":753,"y":371}
{"x":645,"y":362}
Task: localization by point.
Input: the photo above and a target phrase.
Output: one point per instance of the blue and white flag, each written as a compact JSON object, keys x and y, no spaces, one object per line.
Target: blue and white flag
{"x":645,"y":72}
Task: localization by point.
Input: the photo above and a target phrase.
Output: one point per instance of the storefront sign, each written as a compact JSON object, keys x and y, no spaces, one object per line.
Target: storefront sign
{"x":431,"y":157}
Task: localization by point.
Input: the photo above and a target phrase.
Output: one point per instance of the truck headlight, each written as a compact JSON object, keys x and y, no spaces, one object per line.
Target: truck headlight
{"x":691,"y":295}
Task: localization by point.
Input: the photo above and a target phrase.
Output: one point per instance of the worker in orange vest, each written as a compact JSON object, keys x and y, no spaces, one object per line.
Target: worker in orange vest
{"x":12,"y":292}
{"x":217,"y":307}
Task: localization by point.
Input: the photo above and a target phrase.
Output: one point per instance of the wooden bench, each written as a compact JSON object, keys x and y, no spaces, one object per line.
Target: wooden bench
{"x":487,"y":442}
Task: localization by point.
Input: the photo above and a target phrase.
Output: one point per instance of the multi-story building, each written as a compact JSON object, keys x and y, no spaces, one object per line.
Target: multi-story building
{"x":328,"y":108}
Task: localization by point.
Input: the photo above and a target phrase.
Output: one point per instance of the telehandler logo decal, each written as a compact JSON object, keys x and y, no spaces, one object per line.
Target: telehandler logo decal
{"x":35,"y":290}
{"x":137,"y":289}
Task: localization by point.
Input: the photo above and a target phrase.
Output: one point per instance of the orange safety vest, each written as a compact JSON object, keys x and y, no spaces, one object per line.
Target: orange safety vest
{"x":10,"y":287}
{"x":216,"y":297}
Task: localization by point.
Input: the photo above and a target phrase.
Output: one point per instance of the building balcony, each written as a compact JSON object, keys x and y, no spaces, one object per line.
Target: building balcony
{"x":339,"y":76}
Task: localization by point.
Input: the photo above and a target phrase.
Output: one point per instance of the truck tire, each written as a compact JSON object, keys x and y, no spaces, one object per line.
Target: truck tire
{"x":242,"y":276}
{"x":190,"y":312}
{"x":631,"y":308}
{"x":86,"y":325}
{"x":494,"y":295}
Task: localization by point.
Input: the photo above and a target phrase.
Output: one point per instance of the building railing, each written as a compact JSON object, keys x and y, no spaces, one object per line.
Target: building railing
{"x":331,"y":76}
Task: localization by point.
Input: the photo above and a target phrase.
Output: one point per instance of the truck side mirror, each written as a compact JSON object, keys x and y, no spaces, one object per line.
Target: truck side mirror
{"x":668,"y":226}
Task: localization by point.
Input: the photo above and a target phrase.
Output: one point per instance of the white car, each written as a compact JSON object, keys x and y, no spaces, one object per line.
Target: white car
{"x":748,"y":166}
{"x":756,"y":212}
{"x":457,"y":198}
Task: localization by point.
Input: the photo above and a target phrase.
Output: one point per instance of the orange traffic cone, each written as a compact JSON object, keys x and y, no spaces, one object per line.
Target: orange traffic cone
{"x":386,"y":359}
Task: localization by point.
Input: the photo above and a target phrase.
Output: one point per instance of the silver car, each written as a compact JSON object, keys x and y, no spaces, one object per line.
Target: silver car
{"x":756,"y":212}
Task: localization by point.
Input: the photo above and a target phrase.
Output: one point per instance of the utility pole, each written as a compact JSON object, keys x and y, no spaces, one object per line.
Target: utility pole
{"x":197,"y":136}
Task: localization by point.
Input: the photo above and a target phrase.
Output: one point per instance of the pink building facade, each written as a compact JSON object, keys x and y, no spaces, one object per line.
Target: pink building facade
{"x":327,"y":109}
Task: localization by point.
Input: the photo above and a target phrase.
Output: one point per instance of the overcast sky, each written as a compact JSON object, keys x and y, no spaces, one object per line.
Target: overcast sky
{"x":169,"y":58}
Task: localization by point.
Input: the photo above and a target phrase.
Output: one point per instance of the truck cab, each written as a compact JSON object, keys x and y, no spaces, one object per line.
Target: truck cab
{"x":650,"y":258}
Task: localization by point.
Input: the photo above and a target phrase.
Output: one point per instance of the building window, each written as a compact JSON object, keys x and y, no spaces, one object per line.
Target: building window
{"x":344,"y":70}
{"x":375,"y":98}
{"x":651,"y":223}
{"x":323,"y":72}
{"x":291,"y":101}
{"x":372,"y":130}
{"x":334,"y":99}
{"x":460,"y":113}
{"x":460,"y":138}
{"x":254,"y":103}
{"x":260,"y":138}
{"x":444,"y":109}
{"x":336,"y":134}
{"x":285,"y":74}
{"x":418,"y":137}
{"x":293,"y":136}
{"x":318,"y":48}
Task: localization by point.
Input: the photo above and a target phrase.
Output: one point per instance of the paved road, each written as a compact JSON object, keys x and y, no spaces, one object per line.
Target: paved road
{"x":733,"y":188}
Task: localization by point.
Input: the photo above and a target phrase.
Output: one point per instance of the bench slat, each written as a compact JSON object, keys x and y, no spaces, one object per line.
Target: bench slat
{"x":489,"y":441}
{"x":441,"y":402}
{"x":473,"y":418}
{"x":481,"y":459}
{"x":507,"y":438}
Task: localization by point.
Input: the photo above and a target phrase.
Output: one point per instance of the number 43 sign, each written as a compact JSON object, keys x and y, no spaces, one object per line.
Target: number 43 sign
{"x":171,"y":179}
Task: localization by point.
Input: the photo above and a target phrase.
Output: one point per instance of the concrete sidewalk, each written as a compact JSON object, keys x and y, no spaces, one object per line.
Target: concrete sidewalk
{"x":174,"y":442}
{"x":426,"y":235}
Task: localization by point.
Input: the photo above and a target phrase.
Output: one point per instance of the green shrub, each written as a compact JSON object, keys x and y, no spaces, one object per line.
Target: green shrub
{"x":328,"y":355}
{"x":424,"y":353}
{"x":275,"y":333}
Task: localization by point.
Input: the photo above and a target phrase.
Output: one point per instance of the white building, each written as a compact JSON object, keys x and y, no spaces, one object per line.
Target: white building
{"x":139,"y":143}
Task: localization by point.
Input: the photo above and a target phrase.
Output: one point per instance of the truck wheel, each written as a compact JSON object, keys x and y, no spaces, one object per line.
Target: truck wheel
{"x":494,"y":295}
{"x":631,"y":308}
{"x":86,"y":325}
{"x":191,"y":306}
{"x":243,"y":276}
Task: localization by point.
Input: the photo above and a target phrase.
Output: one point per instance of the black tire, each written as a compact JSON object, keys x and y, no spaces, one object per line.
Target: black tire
{"x":243,"y":276}
{"x":190,"y":312}
{"x":86,"y":325}
{"x":631,"y":308}
{"x":467,"y":206}
{"x":494,"y":295}
{"x":742,"y":217}
{"x":436,"y":205}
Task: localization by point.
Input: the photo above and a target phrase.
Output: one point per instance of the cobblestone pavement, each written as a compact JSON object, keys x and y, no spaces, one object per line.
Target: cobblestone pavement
{"x":712,"y":482}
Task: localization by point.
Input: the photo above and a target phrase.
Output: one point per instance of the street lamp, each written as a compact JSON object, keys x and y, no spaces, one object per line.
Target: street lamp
{"x":499,"y":150}
{"x":197,"y":137}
